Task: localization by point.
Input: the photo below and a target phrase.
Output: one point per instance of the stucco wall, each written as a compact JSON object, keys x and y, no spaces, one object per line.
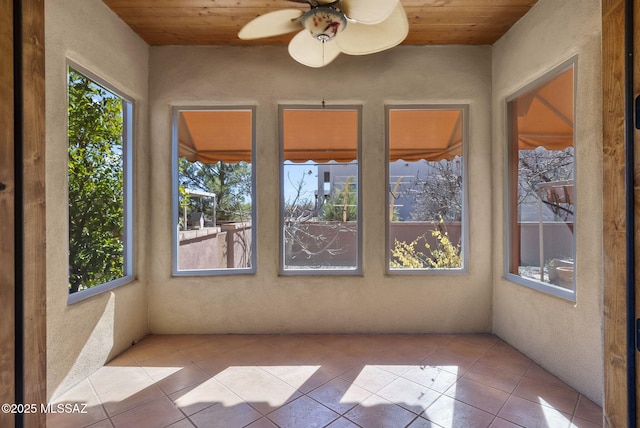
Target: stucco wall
{"x":81,"y":337}
{"x":562,"y":336}
{"x":373,"y":302}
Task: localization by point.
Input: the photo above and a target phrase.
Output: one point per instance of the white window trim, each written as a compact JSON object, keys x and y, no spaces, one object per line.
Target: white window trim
{"x":547,"y":288}
{"x":357,"y":271}
{"x":465,"y":193}
{"x":128,"y":124}
{"x":175,"y":209}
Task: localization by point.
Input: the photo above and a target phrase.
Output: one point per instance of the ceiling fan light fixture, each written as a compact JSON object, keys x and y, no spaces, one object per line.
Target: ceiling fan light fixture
{"x":324,"y":23}
{"x":353,"y":27}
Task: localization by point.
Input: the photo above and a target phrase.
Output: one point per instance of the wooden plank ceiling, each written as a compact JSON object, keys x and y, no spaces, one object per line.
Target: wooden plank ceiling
{"x":217,"y":22}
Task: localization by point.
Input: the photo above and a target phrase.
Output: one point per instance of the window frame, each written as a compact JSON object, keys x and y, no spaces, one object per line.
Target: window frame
{"x":128,"y":159}
{"x":175,"y":194}
{"x":357,"y":271}
{"x":547,"y":288}
{"x":464,"y":235}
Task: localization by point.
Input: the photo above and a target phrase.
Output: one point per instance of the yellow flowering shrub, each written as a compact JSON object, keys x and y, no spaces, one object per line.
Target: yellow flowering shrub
{"x":444,"y":255}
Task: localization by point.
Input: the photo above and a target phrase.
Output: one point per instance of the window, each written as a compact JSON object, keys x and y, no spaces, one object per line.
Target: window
{"x":541,"y":184}
{"x":99,"y":185}
{"x":320,"y":191}
{"x":426,"y":188}
{"x":213,"y":187}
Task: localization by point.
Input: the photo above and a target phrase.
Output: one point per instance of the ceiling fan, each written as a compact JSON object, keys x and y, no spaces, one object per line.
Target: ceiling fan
{"x":331,"y":27}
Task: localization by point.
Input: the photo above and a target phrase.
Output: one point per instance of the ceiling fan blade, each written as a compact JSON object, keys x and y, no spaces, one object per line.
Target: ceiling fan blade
{"x":272,"y":24}
{"x":362,"y":39}
{"x":311,"y":52}
{"x":368,"y":11}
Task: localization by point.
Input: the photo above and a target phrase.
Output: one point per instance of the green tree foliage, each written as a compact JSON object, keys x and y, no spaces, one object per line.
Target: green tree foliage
{"x":342,"y":205}
{"x":96,"y":179}
{"x":231,"y":182}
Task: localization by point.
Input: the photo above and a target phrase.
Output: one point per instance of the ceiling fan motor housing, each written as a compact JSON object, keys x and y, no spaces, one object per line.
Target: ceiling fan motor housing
{"x":324,"y":23}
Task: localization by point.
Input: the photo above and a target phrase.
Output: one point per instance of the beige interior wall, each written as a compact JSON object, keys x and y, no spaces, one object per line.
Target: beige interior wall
{"x":373,"y":302}
{"x":563,"y":336}
{"x":81,"y":337}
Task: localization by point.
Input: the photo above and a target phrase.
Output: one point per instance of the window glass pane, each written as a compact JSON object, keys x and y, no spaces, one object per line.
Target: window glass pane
{"x":320,"y":197}
{"x":98,"y":167}
{"x":214,"y":215}
{"x":426,"y":188}
{"x":541,"y":183}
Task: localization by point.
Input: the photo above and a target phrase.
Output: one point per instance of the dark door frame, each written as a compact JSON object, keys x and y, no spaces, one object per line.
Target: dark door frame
{"x":22,"y":211}
{"x":619,"y":65}
{"x":7,"y":207}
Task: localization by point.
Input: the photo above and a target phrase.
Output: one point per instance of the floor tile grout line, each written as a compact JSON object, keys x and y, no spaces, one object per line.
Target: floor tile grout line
{"x":412,"y":421}
{"x":364,"y":363}
{"x":167,"y":395}
{"x":482,"y":356}
{"x":375,"y":393}
{"x":302,"y":393}
{"x":511,"y":394}
{"x":575,"y":411}
{"x":575,"y":406}
{"x":187,"y":419}
{"x":95,"y":393}
{"x":350,"y":420}
{"x":475,"y":406}
{"x":495,"y":416}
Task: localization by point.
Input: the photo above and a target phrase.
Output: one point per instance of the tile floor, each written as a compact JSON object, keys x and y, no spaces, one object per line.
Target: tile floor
{"x":336,"y":381}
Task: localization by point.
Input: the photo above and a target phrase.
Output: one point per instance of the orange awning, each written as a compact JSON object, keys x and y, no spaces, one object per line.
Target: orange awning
{"x":212,"y":136}
{"x":320,"y":135}
{"x":544,"y":119}
{"x":545,"y":114}
{"x":425,"y":134}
